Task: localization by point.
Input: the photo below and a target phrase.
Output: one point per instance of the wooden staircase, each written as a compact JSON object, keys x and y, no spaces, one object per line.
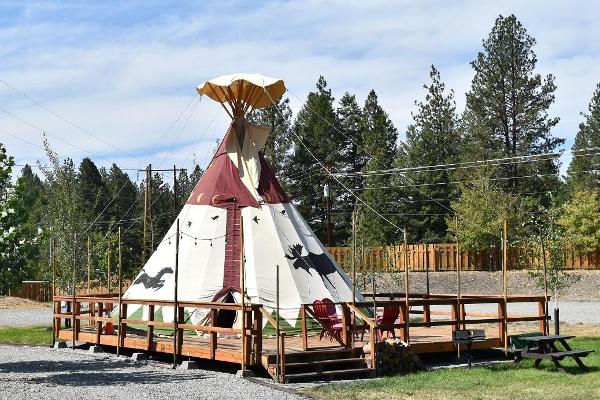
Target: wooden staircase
{"x":321,"y":364}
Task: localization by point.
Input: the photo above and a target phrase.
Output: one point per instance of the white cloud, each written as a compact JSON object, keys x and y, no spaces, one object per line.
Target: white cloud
{"x":126,"y":75}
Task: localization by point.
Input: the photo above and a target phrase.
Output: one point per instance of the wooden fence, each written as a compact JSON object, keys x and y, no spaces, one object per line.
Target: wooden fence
{"x":442,"y":257}
{"x":35,"y":290}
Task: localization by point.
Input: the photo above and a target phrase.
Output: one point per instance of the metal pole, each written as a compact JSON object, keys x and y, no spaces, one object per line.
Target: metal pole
{"x":505,"y":281}
{"x":243,"y":290}
{"x":546,"y":327}
{"x":51,"y":245}
{"x":406,"y":288}
{"x":73,"y":288}
{"x":353,"y":274}
{"x":120,"y":281}
{"x":108,"y":265}
{"x":175,"y":302}
{"x":89,"y":263}
{"x":277,"y":368}
{"x":458,"y":291}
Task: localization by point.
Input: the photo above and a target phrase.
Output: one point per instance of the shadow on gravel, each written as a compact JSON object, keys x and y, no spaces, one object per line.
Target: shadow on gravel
{"x":94,"y":373}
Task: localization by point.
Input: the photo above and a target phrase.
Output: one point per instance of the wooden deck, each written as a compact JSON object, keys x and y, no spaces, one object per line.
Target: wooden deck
{"x":89,"y":317}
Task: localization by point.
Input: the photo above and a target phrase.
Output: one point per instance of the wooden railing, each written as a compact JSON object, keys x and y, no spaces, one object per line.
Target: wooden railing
{"x":96,"y":310}
{"x":443,"y":257}
{"x":280,"y":369}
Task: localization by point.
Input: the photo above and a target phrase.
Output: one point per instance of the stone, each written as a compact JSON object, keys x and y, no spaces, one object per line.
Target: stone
{"x":139,"y":357}
{"x":247,"y":373}
{"x":60,"y":345}
{"x":95,"y":349}
{"x":187,"y":365}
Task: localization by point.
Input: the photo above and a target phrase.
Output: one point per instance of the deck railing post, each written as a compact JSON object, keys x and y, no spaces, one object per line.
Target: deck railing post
{"x":99,"y":322}
{"x":150,"y":332}
{"x":542,"y":315}
{"x":304,"y":332}
{"x":374,"y":349}
{"x":257,"y":325}
{"x":282,"y":356}
{"x":345,"y":325}
{"x":503,"y":321}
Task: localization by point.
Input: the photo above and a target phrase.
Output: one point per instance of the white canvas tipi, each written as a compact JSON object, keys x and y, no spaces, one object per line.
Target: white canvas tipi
{"x":239,"y":197}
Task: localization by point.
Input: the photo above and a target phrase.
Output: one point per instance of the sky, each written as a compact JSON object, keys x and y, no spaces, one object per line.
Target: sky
{"x":115,"y":80}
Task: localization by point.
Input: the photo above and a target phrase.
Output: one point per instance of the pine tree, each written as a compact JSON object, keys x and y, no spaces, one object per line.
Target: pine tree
{"x":352,"y":159}
{"x":507,"y":107}
{"x":314,"y":129}
{"x":278,"y":117}
{"x":431,"y":139}
{"x":91,"y":192}
{"x":583,"y":172}
{"x":379,"y":138}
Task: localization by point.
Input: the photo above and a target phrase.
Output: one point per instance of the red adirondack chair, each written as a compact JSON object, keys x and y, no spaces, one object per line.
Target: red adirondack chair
{"x":390,"y":315}
{"x":327,"y":316}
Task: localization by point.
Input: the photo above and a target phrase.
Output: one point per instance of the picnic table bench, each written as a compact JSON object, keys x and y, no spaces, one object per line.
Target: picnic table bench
{"x":541,"y":348}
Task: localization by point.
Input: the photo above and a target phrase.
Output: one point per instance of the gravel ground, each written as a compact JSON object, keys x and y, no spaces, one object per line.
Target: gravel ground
{"x":28,"y":372}
{"x":26,"y":317}
{"x":519,"y":282}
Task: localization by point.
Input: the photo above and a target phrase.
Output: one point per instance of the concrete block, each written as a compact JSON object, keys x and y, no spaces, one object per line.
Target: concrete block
{"x":247,"y":374}
{"x":60,"y":345}
{"x":186,"y":365}
{"x":139,"y":357}
{"x":95,"y":349}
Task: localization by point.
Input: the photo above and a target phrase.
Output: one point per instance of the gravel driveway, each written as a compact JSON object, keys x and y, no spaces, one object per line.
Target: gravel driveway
{"x":26,"y":317}
{"x":40,"y":372}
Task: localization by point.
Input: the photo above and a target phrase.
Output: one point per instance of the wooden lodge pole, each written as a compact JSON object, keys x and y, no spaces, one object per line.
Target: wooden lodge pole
{"x":73,"y":324}
{"x":406,"y":290}
{"x":458,"y":276}
{"x":243,"y":293}
{"x":120,"y":282}
{"x":176,"y":302}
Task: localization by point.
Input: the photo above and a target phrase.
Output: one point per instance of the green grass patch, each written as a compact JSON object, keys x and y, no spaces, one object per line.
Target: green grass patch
{"x":501,"y":381}
{"x":41,"y":335}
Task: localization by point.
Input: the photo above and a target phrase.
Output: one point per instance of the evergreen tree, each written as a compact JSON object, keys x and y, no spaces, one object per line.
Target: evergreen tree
{"x":508,"y":105}
{"x":353,"y":159}
{"x":91,"y":192}
{"x":432,"y":139}
{"x":314,"y":129}
{"x":379,"y":137}
{"x":583,"y":171}
{"x":33,"y":193}
{"x":278,"y":117}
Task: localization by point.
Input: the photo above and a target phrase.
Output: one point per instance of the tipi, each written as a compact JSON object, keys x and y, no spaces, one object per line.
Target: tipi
{"x":238,"y":200}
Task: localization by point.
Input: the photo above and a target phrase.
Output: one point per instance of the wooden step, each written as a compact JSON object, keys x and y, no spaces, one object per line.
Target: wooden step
{"x":314,"y":355}
{"x":337,"y":374}
{"x":326,"y":362}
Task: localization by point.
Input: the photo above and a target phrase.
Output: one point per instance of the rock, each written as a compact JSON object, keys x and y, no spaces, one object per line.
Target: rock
{"x":187,"y":365}
{"x":60,"y":345}
{"x":95,"y":349}
{"x":139,"y":357}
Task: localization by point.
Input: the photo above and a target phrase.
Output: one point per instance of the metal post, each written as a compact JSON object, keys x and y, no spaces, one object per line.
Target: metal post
{"x":89,"y":263}
{"x":546,"y":311}
{"x":73,"y":288}
{"x":176,"y":302}
{"x":505,"y":281}
{"x":353,"y":275}
{"x":406,"y":289}
{"x":51,"y":245}
{"x":108,"y":265}
{"x":458,"y":291}
{"x":120,"y":282}
{"x":277,"y":368}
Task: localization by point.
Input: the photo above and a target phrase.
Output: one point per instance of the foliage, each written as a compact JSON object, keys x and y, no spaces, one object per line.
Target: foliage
{"x":507,"y":107}
{"x":379,"y":137}
{"x":481,"y":212}
{"x":583,"y":171}
{"x":19,"y":239}
{"x":580,"y":219}
{"x":549,"y":247}
{"x":431,"y":139}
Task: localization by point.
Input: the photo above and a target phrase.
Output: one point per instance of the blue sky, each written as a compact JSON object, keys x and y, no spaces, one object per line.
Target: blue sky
{"x":124,"y":71}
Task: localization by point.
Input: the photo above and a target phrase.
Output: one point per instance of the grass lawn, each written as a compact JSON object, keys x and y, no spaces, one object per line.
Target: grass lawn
{"x":493,"y":382}
{"x":28,"y":335}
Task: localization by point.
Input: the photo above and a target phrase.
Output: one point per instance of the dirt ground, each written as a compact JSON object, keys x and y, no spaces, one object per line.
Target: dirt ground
{"x":12,"y":303}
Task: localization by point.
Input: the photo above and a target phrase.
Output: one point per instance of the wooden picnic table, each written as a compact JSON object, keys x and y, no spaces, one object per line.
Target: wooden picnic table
{"x":541,"y":348}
